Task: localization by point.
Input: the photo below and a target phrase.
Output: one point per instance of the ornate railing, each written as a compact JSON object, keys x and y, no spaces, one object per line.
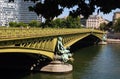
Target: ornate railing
{"x":20,"y":33}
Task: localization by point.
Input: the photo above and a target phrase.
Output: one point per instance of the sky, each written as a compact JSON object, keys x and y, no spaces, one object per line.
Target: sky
{"x":108,"y":16}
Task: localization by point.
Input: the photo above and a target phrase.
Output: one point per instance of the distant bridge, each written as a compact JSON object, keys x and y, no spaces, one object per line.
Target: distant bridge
{"x":42,"y":41}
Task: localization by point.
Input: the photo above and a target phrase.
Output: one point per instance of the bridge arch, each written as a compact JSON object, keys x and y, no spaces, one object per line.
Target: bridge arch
{"x":26,"y":51}
{"x":93,"y":38}
{"x":23,"y":58}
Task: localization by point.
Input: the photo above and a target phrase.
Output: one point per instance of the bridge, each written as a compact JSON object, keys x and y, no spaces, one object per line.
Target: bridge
{"x":43,"y":42}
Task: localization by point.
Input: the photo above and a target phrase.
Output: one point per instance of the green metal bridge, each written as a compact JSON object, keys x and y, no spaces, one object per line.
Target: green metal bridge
{"x":42,"y":41}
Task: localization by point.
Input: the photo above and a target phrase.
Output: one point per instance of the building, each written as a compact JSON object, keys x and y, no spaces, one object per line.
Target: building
{"x":94,"y":21}
{"x":116,"y":16}
{"x":16,"y":11}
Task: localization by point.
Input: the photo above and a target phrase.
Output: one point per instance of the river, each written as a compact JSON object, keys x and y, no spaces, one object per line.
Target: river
{"x":94,"y":62}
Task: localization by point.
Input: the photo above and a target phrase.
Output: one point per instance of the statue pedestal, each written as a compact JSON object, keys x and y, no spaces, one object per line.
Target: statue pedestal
{"x":57,"y":66}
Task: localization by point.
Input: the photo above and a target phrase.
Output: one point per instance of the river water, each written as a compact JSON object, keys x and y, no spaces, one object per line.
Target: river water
{"x":94,"y":62}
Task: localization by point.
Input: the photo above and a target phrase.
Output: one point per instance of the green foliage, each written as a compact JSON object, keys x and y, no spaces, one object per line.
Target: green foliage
{"x":57,"y":23}
{"x":71,"y":22}
{"x":52,"y":8}
{"x":31,"y":8}
{"x":49,"y":9}
{"x":117,"y":25}
{"x":109,"y":26}
{"x":21,"y":24}
{"x":102,"y":26}
{"x":68,"y":22}
{"x":13,"y":24}
{"x":34,"y":23}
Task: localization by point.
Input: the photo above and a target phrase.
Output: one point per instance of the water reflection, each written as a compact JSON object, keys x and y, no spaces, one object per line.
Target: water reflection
{"x":49,"y":76}
{"x":104,"y":63}
{"x":83,"y":59}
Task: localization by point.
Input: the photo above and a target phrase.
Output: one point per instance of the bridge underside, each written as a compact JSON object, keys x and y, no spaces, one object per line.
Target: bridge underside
{"x":87,"y":41}
{"x":23,"y":59}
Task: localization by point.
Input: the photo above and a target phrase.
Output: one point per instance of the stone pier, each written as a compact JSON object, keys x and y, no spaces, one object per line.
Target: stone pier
{"x":57,"y":66}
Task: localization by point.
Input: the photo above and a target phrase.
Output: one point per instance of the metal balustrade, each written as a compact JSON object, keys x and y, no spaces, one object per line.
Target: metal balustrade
{"x":14,"y":33}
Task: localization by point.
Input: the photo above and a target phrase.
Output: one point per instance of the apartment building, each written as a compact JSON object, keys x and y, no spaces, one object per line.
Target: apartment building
{"x":16,"y":11}
{"x":94,"y":21}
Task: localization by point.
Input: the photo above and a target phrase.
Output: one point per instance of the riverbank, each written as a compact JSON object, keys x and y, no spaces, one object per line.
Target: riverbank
{"x":113,"y":36}
{"x":113,"y":40}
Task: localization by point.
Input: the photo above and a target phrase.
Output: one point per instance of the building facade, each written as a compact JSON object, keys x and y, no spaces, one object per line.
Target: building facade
{"x":16,"y":11}
{"x":94,"y":21}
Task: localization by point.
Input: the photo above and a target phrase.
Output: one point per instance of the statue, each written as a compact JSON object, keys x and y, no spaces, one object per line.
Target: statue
{"x":104,"y":37}
{"x":62,"y":53}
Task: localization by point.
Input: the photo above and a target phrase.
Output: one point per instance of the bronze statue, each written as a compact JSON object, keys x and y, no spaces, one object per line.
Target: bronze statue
{"x":62,"y":53}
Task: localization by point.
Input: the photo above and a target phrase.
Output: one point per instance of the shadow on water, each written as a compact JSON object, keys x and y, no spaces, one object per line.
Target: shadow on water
{"x":42,"y":75}
{"x":6,"y":74}
{"x":17,"y":65}
{"x":15,"y":61}
{"x":13,"y":74}
{"x":13,"y":66}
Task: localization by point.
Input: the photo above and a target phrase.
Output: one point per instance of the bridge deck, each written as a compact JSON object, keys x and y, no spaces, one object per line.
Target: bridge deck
{"x":18,"y":33}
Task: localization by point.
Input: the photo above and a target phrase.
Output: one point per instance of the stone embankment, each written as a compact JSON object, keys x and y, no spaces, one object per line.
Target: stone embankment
{"x":113,"y":38}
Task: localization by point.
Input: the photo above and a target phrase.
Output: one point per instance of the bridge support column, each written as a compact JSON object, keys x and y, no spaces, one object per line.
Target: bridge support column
{"x":57,"y":67}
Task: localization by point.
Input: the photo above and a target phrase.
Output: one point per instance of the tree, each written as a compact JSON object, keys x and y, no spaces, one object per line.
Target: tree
{"x":52,"y":8}
{"x":13,"y":24}
{"x":68,"y":22}
{"x":109,"y":26}
{"x":117,"y":25}
{"x":34,"y":23}
{"x":57,"y":23}
{"x":21,"y":24}
{"x":102,"y":26}
{"x":48,"y":9}
{"x":71,"y":22}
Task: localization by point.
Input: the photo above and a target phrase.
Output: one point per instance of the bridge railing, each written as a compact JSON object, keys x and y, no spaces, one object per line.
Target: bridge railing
{"x":14,"y":33}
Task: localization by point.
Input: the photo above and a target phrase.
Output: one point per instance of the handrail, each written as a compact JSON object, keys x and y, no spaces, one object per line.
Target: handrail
{"x":16,"y":33}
